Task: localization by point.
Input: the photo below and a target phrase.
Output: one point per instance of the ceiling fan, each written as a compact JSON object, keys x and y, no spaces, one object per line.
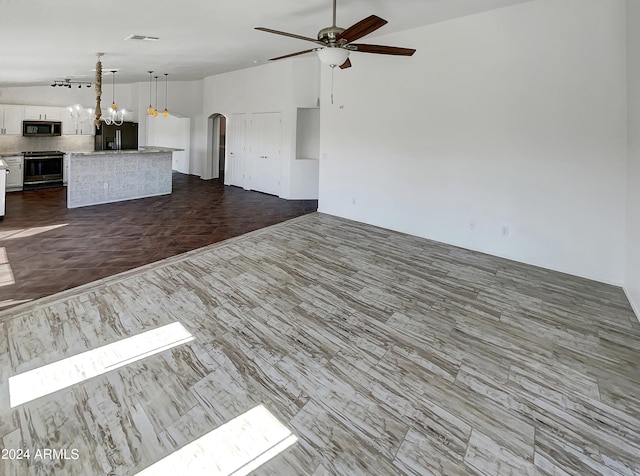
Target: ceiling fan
{"x":336,"y":43}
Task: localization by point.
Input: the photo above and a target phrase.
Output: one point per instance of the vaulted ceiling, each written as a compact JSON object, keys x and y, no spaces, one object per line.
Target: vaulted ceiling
{"x":43,"y":41}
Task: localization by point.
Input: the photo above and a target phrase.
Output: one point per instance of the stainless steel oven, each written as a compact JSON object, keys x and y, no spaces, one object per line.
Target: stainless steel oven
{"x":42,"y":169}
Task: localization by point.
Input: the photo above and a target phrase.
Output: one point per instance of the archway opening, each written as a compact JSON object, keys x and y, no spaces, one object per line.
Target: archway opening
{"x":216,"y":147}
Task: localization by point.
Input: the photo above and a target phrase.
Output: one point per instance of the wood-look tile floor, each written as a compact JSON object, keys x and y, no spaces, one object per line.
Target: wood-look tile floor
{"x":381,"y":353}
{"x":46,"y":248}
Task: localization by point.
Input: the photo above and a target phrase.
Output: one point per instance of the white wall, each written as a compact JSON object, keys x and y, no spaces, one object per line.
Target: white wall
{"x":172,"y":132}
{"x":513,"y":117}
{"x":632,"y":256}
{"x":281,"y":86}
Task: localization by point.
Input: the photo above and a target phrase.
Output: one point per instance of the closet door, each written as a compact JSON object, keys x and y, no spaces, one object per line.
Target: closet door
{"x":266,"y":152}
{"x":237,"y":151}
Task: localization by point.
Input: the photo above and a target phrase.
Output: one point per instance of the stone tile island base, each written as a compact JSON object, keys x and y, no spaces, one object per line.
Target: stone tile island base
{"x":115,"y":175}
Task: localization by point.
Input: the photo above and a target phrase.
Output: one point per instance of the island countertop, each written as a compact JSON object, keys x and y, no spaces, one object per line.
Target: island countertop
{"x":141,"y":150}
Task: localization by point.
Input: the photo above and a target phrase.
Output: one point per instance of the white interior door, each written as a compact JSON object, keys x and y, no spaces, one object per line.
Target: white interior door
{"x":237,"y":150}
{"x":266,"y":152}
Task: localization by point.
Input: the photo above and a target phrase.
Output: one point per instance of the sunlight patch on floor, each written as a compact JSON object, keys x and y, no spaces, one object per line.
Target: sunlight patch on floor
{"x":234,"y":449}
{"x":13,"y":302}
{"x":6,"y":275}
{"x":50,"y":378}
{"x":14,"y":233}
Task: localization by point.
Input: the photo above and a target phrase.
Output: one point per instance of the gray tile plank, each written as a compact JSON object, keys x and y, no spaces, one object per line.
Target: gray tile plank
{"x":383,"y":353}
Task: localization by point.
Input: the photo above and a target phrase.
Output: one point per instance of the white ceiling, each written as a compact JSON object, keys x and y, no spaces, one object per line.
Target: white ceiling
{"x":43,"y":40}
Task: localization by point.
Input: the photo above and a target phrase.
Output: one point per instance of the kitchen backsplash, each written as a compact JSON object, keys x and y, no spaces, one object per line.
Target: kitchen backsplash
{"x":75,"y":143}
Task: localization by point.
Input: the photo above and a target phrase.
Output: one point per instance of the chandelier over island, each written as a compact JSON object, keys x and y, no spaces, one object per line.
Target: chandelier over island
{"x":115,"y":115}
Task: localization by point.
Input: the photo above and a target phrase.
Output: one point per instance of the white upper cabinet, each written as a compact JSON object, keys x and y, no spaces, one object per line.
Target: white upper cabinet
{"x":43,"y":113}
{"x":10,"y":120}
{"x":76,"y":127}
{"x":68,"y":126}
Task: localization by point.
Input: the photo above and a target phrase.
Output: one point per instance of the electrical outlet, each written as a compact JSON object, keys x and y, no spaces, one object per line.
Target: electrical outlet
{"x":106,"y":185}
{"x":505,"y":230}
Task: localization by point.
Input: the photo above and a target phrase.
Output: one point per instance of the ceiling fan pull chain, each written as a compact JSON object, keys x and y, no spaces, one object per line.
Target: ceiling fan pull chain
{"x":333,"y":70}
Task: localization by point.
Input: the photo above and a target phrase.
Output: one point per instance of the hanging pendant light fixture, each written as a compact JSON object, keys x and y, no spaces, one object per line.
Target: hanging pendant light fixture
{"x":115,"y":116}
{"x":114,"y":106}
{"x":150,"y":108}
{"x":155,"y":111}
{"x":165,"y":113}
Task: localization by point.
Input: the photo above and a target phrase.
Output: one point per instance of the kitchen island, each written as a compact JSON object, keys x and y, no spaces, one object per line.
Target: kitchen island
{"x":108,"y":176}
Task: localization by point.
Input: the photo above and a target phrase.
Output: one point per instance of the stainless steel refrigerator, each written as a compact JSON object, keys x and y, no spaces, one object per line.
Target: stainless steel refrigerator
{"x":117,"y":137}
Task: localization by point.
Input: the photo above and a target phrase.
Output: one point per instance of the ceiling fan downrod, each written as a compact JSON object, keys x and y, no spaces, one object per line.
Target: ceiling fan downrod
{"x":334,"y":13}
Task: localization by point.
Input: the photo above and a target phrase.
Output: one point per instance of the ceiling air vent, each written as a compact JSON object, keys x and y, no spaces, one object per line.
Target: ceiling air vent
{"x":142,"y":38}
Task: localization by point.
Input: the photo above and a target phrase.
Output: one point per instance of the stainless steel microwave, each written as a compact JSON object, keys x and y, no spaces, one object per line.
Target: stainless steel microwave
{"x":41,"y":128}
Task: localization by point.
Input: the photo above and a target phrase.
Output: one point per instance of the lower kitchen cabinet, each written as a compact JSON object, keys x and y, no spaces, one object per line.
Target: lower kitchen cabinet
{"x":15,"y":177}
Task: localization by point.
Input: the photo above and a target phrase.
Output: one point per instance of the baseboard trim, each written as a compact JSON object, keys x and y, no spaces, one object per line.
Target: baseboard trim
{"x":634,"y":306}
{"x":616,"y":283}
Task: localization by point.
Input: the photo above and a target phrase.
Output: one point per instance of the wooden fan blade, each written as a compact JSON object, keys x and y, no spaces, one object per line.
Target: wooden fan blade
{"x":293,"y":54}
{"x":384,"y":50}
{"x":290,"y":35}
{"x":346,"y":64}
{"x":362,"y":28}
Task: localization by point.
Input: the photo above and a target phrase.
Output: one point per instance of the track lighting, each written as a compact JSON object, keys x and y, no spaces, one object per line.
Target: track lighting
{"x":67,"y":83}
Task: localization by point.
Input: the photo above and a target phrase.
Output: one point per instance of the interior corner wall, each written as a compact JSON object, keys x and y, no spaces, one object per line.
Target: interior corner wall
{"x":632,"y":255}
{"x":504,"y":133}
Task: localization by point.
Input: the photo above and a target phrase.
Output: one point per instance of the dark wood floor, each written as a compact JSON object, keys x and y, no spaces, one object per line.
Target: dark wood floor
{"x":50,"y":248}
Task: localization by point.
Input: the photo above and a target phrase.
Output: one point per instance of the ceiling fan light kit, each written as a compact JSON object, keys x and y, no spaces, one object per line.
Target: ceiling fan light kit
{"x":333,"y":56}
{"x":336,"y":43}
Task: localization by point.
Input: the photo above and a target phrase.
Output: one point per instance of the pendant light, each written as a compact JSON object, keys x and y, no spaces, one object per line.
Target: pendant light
{"x":115,"y":115}
{"x":165,"y":113}
{"x":155,"y":111}
{"x":114,"y":106}
{"x":150,"y":108}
